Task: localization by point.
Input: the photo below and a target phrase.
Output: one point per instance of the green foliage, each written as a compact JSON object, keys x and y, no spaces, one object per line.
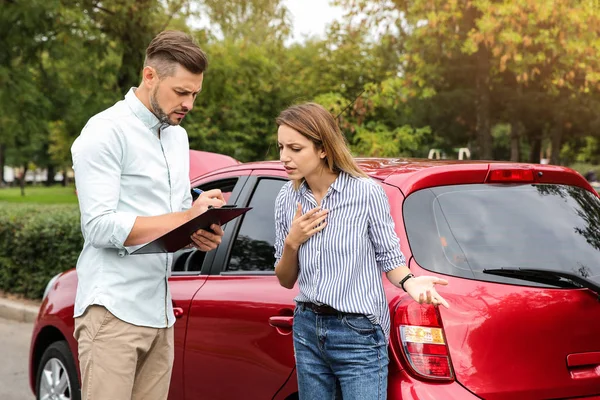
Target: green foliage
{"x":36,"y":243}
{"x":40,"y":195}
{"x":376,"y":139}
{"x":239,"y":103}
{"x":530,"y":63}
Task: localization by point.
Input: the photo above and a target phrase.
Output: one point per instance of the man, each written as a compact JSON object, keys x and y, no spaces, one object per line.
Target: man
{"x":131,"y":165}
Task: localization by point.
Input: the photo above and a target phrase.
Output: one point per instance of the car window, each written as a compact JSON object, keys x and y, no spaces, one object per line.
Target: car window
{"x":252,"y":249}
{"x":226,"y":186}
{"x":189,"y":261}
{"x":462,"y":229}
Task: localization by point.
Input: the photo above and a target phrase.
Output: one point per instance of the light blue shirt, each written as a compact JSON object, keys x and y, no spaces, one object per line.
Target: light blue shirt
{"x":342,"y":265}
{"x":123,"y":169}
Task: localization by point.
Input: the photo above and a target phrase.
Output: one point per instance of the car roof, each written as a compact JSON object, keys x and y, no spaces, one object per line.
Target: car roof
{"x":378,"y":168}
{"x":411,"y":174}
{"x":203,"y":162}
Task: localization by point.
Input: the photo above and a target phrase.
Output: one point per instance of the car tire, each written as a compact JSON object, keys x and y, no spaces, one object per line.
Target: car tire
{"x":57,"y":368}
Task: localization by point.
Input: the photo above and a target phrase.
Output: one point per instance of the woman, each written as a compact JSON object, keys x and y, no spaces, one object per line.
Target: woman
{"x":337,"y":251}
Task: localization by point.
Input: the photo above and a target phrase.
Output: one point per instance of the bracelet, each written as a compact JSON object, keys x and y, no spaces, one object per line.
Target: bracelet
{"x":403,"y":281}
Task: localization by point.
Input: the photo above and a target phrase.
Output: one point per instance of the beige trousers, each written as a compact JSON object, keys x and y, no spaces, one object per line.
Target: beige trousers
{"x":121,"y":361}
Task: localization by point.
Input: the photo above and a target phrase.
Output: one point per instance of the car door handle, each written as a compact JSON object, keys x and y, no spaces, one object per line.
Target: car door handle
{"x":281,"y":322}
{"x":178,"y":311}
{"x":584,"y":365}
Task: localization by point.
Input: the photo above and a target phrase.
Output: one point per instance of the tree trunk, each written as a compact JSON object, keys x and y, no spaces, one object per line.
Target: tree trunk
{"x":65,"y":181}
{"x":536,"y":148}
{"x":556,"y":141}
{"x":1,"y":165}
{"x":51,"y":172}
{"x":515,"y":141}
{"x":22,"y":180}
{"x":482,"y":104}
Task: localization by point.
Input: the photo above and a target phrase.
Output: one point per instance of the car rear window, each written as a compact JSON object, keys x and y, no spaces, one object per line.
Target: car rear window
{"x":460,"y":230}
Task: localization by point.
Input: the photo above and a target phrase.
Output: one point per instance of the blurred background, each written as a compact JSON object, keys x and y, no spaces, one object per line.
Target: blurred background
{"x":479,"y":79}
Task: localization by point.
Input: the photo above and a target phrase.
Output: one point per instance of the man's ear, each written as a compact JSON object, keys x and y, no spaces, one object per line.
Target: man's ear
{"x":149,"y":76}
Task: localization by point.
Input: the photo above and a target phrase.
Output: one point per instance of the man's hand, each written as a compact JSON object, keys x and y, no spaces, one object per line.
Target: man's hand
{"x":207,"y":241}
{"x":211,"y":198}
{"x":422,"y":290}
{"x":304,"y":226}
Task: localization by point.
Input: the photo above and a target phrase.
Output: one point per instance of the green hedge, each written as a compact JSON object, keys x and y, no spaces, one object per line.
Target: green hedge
{"x":36,"y":243}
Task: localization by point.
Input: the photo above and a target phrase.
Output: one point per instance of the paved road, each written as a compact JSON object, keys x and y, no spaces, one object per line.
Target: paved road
{"x":14,"y":352}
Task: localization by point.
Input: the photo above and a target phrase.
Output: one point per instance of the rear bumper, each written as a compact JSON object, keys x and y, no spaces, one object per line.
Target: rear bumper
{"x":403,"y":387}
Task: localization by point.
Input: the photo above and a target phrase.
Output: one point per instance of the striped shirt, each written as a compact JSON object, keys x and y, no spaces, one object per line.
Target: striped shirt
{"x":342,"y":265}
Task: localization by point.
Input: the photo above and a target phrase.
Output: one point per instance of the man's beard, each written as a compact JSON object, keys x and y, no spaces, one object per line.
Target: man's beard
{"x":162,"y":116}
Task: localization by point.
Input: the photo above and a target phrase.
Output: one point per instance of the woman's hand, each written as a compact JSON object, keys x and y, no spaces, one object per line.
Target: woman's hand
{"x":305,"y":226}
{"x":422,"y":290}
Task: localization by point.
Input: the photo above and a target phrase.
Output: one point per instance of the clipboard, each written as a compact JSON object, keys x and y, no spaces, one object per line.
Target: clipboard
{"x":179,"y":237}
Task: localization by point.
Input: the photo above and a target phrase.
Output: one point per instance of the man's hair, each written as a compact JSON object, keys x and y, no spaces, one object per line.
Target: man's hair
{"x":170,"y":48}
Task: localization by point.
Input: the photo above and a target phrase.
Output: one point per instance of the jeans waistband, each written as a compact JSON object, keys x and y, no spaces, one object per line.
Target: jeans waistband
{"x":322,"y":309}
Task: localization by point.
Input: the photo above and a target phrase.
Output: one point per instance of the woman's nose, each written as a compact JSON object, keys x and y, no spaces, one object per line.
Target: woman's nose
{"x":283,"y":156}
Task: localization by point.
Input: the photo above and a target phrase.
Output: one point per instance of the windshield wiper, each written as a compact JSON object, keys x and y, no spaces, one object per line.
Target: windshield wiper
{"x":549,"y":277}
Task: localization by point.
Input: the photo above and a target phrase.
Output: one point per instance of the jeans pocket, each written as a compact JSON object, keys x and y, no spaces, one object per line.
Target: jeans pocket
{"x":359,"y":324}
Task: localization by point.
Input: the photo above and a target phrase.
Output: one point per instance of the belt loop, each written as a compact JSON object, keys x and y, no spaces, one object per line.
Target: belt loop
{"x":303,"y":306}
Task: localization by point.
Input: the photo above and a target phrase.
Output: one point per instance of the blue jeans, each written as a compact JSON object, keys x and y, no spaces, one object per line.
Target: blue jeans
{"x":339,"y":356}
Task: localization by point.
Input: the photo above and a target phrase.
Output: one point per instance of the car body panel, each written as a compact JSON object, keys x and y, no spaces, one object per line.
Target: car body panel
{"x":516,"y":339}
{"x":229,"y":335}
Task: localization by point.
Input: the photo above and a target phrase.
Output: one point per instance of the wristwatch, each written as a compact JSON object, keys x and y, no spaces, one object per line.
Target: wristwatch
{"x":403,"y":281}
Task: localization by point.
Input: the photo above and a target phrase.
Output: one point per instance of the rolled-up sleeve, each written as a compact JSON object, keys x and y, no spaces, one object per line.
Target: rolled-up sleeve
{"x":381,"y":231}
{"x":97,"y":161}
{"x":281,"y":225}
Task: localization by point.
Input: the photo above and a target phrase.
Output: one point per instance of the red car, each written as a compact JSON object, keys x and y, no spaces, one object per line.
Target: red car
{"x":518,"y":243}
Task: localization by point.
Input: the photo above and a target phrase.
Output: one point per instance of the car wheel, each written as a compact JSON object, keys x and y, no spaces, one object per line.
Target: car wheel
{"x":57,"y":374}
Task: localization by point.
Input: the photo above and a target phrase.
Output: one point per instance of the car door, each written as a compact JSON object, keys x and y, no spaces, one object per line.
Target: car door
{"x":239,"y":342}
{"x":189,"y":271}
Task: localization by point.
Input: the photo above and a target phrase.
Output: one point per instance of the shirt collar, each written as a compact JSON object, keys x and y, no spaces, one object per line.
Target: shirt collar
{"x":141,"y":111}
{"x":338,"y":185}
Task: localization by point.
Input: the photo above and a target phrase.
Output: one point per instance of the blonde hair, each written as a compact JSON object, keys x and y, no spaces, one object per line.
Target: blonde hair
{"x":317,"y":124}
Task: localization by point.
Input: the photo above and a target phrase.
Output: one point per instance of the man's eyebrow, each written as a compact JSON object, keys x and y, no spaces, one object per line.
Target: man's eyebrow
{"x":186,"y":91}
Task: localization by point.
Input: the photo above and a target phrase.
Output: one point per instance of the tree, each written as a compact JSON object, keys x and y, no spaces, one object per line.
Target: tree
{"x":509,"y":52}
{"x":256,"y":21}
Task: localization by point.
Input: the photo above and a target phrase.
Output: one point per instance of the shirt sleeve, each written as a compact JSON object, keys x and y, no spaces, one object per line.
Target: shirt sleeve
{"x":97,"y":161}
{"x":381,"y":231}
{"x":281,"y":224}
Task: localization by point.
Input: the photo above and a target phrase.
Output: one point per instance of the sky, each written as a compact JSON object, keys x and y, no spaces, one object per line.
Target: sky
{"x":311,"y":17}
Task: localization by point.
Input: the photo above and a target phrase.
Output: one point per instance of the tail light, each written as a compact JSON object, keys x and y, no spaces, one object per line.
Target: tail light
{"x":508,"y":175}
{"x":422,"y":340}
